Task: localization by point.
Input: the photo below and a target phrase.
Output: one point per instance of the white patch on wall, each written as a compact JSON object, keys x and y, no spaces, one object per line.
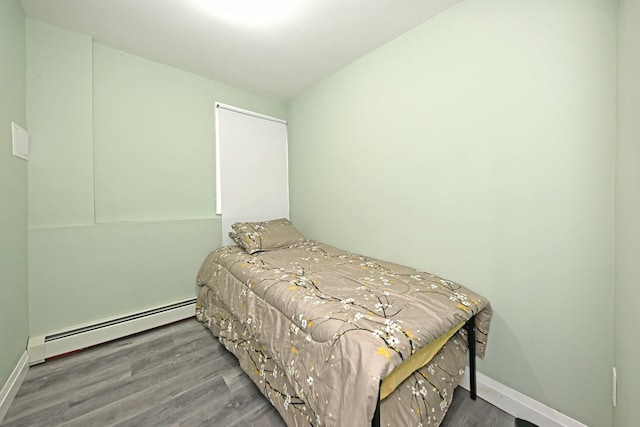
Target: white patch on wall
{"x":20,"y":140}
{"x":252,"y":174}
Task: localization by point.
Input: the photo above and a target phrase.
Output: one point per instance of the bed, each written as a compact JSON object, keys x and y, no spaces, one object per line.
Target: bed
{"x":333,"y":338}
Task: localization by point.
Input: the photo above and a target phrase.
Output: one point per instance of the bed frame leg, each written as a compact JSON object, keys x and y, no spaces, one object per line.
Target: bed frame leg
{"x":376,"y":415}
{"x":471,"y":342}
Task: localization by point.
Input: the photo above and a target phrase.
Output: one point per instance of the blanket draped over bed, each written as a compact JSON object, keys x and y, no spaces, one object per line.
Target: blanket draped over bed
{"x":318,"y":328}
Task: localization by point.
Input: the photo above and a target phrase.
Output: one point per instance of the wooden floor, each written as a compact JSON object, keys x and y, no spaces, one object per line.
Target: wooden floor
{"x":178,"y":375}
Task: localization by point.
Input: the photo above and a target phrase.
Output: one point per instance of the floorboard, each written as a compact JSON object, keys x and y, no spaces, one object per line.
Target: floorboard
{"x":178,"y":376}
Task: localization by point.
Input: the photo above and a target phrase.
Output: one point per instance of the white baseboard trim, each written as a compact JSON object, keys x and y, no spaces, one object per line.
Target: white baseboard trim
{"x":76,"y":338}
{"x":517,"y":404}
{"x":11,"y":387}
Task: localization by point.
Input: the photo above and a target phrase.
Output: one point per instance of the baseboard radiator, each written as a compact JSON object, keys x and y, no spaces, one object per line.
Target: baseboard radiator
{"x":42,"y":347}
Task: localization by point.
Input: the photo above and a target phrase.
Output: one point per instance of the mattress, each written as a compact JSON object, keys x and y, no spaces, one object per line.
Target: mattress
{"x":318,"y":329}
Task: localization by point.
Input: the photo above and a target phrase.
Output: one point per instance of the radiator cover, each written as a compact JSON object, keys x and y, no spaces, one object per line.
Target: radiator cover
{"x":42,"y":347}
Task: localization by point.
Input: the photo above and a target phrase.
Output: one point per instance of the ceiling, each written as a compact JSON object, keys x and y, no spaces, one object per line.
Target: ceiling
{"x":272,"y":47}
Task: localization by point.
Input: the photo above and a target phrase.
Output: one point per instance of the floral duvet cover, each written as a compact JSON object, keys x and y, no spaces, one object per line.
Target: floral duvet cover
{"x":318,"y":328}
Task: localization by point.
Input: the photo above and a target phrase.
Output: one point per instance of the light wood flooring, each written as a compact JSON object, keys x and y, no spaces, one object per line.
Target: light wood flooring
{"x":177,"y":375}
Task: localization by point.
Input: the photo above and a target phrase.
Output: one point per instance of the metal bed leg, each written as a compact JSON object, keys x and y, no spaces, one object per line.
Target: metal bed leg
{"x":376,"y":415}
{"x":471,"y":342}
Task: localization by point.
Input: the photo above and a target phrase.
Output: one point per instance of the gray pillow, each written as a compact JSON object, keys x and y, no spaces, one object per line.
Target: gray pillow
{"x":265,"y":235}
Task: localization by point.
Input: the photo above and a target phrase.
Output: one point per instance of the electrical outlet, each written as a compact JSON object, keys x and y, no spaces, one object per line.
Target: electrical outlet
{"x":614,"y":386}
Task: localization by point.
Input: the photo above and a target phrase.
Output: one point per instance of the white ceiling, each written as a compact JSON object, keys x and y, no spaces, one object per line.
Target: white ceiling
{"x":272,"y":47}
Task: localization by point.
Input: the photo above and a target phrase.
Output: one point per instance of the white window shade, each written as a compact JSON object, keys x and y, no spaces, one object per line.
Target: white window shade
{"x":252,"y":167}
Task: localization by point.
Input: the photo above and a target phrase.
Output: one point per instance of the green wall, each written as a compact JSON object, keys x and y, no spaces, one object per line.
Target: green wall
{"x":481,"y":146}
{"x":121,"y":179}
{"x":14,"y":320}
{"x":627,"y":345}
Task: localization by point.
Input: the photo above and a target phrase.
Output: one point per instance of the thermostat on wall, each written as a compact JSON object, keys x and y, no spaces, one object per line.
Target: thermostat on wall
{"x":20,"y":139}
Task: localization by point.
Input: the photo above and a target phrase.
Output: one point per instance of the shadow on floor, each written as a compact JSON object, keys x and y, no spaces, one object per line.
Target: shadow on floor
{"x":523,"y":423}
